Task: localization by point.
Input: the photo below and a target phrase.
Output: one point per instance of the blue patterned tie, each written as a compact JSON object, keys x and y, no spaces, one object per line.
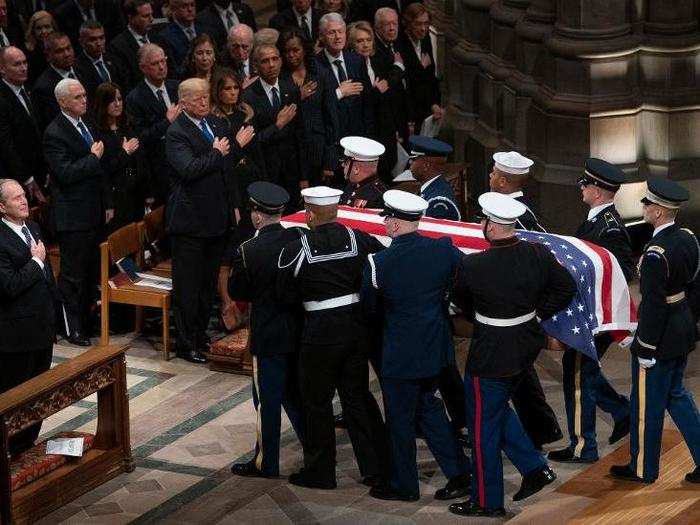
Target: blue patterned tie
{"x":102,"y":70}
{"x":205,"y":130}
{"x":87,"y":137}
{"x":27,"y":236}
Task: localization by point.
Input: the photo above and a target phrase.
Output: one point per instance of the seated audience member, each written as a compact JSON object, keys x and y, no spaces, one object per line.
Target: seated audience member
{"x":120,"y":158}
{"x":301,"y":15}
{"x":418,"y":55}
{"x":201,"y":60}
{"x":81,"y":201}
{"x":70,"y":15}
{"x":19,"y":127}
{"x":29,"y":298}
{"x":124,"y":48}
{"x":92,"y":64}
{"x":238,"y":48}
{"x":41,"y":24}
{"x":177,"y":36}
{"x":152,"y":106}
{"x":218,"y":18}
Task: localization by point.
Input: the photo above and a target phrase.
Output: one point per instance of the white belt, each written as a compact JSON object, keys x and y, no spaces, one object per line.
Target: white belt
{"x":513,"y":321}
{"x":335,"y":302}
{"x":670,"y":299}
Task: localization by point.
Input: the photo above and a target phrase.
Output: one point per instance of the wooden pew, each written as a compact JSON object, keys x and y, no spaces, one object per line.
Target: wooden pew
{"x":99,"y":370}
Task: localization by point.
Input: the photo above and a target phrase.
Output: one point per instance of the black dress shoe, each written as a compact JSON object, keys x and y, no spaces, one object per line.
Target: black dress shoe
{"x":467,"y":508}
{"x":624,"y":472}
{"x":457,"y":487}
{"x":373,"y":480}
{"x":76,"y":338}
{"x":193,"y":356}
{"x":694,"y":476}
{"x":534,"y":482}
{"x":339,"y":421}
{"x":389,"y":493}
{"x":566,"y":455}
{"x":248,"y":470}
{"x":300,"y":480}
{"x":620,"y":430}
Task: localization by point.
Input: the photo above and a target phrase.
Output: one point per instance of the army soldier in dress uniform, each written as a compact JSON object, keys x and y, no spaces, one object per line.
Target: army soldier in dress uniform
{"x":604,"y":227}
{"x":407,"y":285}
{"x":275,"y":328}
{"x":665,"y":335}
{"x":323,"y":271}
{"x":506,"y":288}
{"x":510,"y":171}
{"x":364,"y":189}
{"x":428,"y":162}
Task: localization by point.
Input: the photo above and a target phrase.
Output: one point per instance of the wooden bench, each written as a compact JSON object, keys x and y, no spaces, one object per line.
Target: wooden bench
{"x":98,"y":370}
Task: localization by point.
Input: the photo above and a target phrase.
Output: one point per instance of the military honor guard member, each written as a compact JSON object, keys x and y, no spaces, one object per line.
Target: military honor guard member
{"x":407,"y":284}
{"x":428,"y":162}
{"x":665,"y":336}
{"x":506,"y":289}
{"x":364,"y":189}
{"x":323,"y":271}
{"x":510,"y":171}
{"x":604,"y":227}
{"x":275,"y":328}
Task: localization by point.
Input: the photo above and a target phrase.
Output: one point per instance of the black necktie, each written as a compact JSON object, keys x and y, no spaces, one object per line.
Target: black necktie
{"x":275,"y":99}
{"x":27,"y":237}
{"x":27,"y":102}
{"x":342,"y":76}
{"x":102,"y":70}
{"x":304,"y":25}
{"x":161,"y":98}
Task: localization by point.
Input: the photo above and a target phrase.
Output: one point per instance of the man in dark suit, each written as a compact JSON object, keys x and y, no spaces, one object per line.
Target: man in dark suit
{"x":177,"y":35}
{"x":300,"y":15}
{"x":11,"y":33}
{"x":124,"y":48}
{"x":80,"y":200}
{"x":239,"y":46}
{"x":221,"y":16}
{"x":92,"y":64}
{"x":28,"y":298}
{"x":279,"y":129}
{"x":153,"y":106}
{"x":71,"y":14}
{"x":19,"y":127}
{"x":197,"y":217}
{"x":61,"y":58}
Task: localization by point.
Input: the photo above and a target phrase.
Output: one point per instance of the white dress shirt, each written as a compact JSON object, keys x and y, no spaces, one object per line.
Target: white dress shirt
{"x":370,"y":71}
{"x":224,"y":14}
{"x":138,"y":37}
{"x":198,"y":122}
{"x":155,"y":89}
{"x":16,"y":90}
{"x":17,"y":228}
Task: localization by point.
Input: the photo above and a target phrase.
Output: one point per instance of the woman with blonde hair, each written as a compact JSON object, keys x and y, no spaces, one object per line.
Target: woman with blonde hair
{"x":41,"y":24}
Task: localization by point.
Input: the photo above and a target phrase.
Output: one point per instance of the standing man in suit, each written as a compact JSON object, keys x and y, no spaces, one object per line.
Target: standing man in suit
{"x":11,"y":33}
{"x":197,"y":217}
{"x":124,"y":47}
{"x":275,"y":102}
{"x":19,"y":127}
{"x":28,"y":297}
{"x":221,"y":16}
{"x":177,"y":35}
{"x":71,"y":14}
{"x":302,"y":15}
{"x":61,"y":58}
{"x":239,"y":46}
{"x":92,"y":65}
{"x":81,"y":204}
{"x":153,"y":106}
{"x":510,"y":171}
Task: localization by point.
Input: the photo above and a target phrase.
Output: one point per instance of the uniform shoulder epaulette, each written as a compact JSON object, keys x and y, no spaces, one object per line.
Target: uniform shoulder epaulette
{"x":657,"y":249}
{"x":688,"y":230}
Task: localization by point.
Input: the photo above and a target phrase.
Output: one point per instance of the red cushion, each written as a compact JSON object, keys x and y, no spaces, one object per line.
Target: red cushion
{"x":35,"y":462}
{"x":232,"y":345}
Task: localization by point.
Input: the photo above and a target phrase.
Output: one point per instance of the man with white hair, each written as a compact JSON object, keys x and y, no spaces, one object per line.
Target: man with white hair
{"x":80,"y":200}
{"x":239,"y":45}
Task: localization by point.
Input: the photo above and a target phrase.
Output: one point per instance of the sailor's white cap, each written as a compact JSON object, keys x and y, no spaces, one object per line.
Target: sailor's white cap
{"x":512,"y":163}
{"x":362,"y":149}
{"x":500,"y":208}
{"x":321,"y":195}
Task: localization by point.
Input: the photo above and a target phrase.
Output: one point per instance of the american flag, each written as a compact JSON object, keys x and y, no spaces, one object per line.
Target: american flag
{"x":602,"y":303}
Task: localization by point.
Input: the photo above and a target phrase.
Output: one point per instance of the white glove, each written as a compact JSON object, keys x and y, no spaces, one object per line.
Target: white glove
{"x":646,"y":363}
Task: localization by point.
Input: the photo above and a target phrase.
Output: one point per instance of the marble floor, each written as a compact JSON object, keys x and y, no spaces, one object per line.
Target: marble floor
{"x":188,"y":425}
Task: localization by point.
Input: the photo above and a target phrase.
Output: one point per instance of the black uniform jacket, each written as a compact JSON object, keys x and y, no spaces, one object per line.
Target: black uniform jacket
{"x":366,"y":194}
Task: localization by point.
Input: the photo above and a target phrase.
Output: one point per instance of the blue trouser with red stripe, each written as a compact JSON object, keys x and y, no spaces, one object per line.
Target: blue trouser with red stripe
{"x":654,"y":391}
{"x":494,"y":426}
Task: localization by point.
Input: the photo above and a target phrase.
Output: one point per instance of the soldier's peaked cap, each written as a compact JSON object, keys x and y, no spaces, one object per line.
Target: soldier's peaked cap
{"x":267,"y":197}
{"x":666,"y":193}
{"x":602,"y":174}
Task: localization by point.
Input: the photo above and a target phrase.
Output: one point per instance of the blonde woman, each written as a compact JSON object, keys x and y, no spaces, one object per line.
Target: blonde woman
{"x":41,"y":24}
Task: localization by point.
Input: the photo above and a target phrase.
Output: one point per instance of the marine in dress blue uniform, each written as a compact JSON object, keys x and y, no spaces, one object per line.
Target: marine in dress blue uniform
{"x":504,"y":289}
{"x":323,"y":272}
{"x":364,"y":189}
{"x":585,"y":385}
{"x":508,"y":176}
{"x":428,"y":158}
{"x":407,"y":285}
{"x":665,"y":335}
{"x":275,"y":328}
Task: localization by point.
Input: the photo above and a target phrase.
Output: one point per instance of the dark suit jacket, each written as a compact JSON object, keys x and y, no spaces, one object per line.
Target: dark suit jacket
{"x":365,"y":9}
{"x":124,"y":51}
{"x":281,"y":147}
{"x":79,"y":185}
{"x":354,"y":113}
{"x":69,"y":19}
{"x":286,"y":19}
{"x":19,"y":139}
{"x":422,"y":85}
{"x":212,"y":24}
{"x":27,"y":295}
{"x":396,"y":76}
{"x":89,"y":76}
{"x":43,"y":96}
{"x":197,"y":203}
{"x":150,"y":124}
{"x":176,"y":45}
